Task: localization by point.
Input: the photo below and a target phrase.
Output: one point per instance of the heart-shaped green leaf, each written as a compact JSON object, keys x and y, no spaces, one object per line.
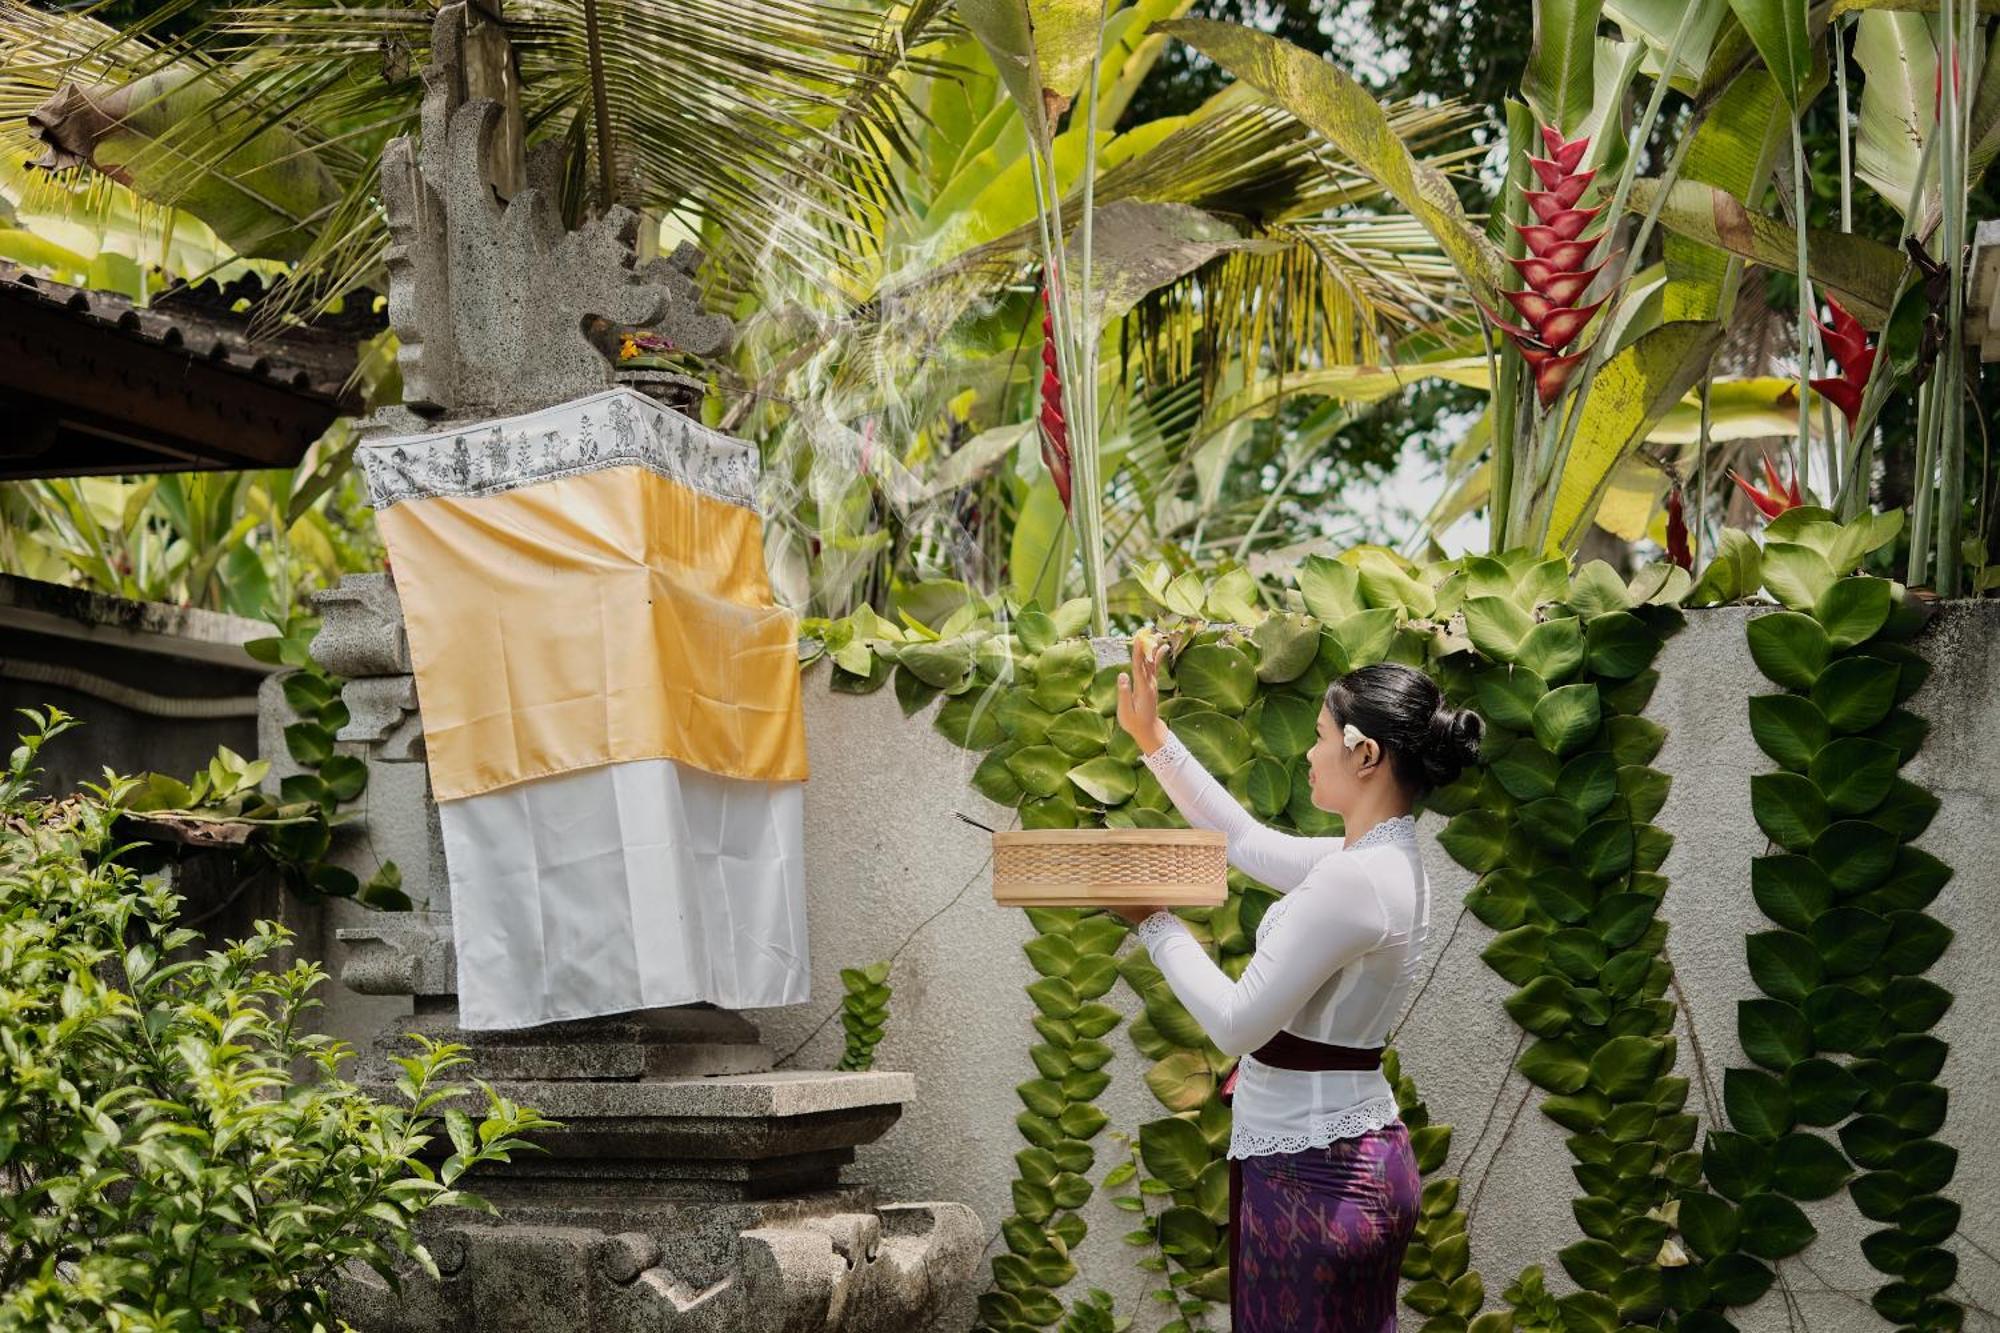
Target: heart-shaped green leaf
{"x":1790,"y":648}
{"x":1788,"y":727}
{"x":1566,"y":717}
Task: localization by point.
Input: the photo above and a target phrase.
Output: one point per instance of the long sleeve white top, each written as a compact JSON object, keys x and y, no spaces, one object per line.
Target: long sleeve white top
{"x":1335,"y":959}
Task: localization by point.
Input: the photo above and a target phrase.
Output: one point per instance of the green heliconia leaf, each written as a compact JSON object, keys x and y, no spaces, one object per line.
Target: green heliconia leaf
{"x":1560,"y":80}
{"x":1791,"y":890}
{"x":1863,"y":272}
{"x":1286,"y":645}
{"x":1104,"y":780}
{"x":1852,"y":610}
{"x":1777,"y":31}
{"x":1567,"y":717}
{"x":1855,"y":693}
{"x":1350,"y":116}
{"x":1554,"y":1064}
{"x":1757,"y":1103}
{"x":1788,"y":727}
{"x":1633,"y":390}
{"x":1788,"y":808}
{"x":1790,"y":648}
{"x":1796,"y":574}
{"x":1785,"y":966}
{"x":1774,"y":1034}
{"x":1218,"y":675}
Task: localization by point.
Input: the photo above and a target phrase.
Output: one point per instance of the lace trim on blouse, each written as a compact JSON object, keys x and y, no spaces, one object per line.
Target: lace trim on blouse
{"x":1349,"y":1123}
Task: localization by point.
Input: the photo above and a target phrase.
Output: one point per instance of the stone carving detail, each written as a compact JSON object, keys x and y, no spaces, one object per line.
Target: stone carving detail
{"x":489,"y":294}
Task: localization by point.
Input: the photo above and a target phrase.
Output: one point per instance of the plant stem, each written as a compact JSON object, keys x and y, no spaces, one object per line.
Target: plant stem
{"x":1089,"y":336}
{"x":1951,"y":465}
{"x":1805,"y":303}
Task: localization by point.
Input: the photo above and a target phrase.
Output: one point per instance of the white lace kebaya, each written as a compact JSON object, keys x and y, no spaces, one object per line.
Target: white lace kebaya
{"x":1336,"y":958}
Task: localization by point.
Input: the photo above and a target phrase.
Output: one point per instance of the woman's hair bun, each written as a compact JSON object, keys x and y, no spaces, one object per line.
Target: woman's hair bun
{"x":1452,"y":745}
{"x":1428,"y":742}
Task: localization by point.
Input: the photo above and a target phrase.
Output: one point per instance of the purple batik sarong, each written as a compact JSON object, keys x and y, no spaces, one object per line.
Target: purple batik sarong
{"x":1319,"y":1235}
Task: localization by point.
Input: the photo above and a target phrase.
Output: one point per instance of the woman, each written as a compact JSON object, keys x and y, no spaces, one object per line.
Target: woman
{"x":1323,"y":1186}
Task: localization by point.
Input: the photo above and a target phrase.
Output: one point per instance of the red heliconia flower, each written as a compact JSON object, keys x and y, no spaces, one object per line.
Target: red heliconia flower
{"x":1847,"y":343}
{"x":1678,"y":549}
{"x":1775,"y":501}
{"x":1554,"y":267}
{"x":1054,"y":427}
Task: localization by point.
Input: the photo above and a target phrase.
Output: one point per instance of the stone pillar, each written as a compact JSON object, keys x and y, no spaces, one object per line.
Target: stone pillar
{"x":691,"y":1186}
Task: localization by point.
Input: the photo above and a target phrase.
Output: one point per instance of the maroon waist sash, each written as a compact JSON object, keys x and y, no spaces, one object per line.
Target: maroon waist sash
{"x":1288,"y":1050}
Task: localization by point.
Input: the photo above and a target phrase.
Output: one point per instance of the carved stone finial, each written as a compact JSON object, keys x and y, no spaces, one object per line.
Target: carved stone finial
{"x":489,"y":294}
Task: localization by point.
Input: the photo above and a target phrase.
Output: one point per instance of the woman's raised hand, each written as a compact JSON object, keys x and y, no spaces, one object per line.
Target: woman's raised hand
{"x":1139,"y":693}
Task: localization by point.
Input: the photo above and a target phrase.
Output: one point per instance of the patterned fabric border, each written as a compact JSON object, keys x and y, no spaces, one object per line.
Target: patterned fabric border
{"x":616,"y":428}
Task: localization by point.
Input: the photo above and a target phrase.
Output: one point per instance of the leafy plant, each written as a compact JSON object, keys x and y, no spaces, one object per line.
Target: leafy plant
{"x":1840,"y":1039}
{"x":864,"y":1010}
{"x":165,"y":1164}
{"x":226,"y":806}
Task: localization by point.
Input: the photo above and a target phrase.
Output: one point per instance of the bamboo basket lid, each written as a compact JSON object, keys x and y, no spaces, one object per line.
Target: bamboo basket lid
{"x":1110,"y":867}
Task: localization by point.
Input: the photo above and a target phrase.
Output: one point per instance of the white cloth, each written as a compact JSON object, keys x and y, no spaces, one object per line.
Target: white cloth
{"x":1335,"y":959}
{"x":626,"y":886}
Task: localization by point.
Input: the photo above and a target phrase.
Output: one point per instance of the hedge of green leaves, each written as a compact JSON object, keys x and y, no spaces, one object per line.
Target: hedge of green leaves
{"x":1556,"y":824}
{"x":1840,"y":1038}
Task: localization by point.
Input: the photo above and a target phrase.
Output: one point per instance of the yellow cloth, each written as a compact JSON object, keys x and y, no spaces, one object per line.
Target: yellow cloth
{"x":594,"y":618}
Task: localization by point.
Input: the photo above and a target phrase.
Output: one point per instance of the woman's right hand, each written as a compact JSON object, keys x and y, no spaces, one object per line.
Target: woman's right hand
{"x":1139,"y":694}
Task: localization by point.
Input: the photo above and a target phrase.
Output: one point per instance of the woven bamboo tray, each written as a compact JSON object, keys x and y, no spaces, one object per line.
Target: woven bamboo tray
{"x":1106,"y":867}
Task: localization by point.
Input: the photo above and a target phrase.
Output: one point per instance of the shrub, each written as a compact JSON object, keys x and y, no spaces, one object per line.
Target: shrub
{"x":163,"y":1165}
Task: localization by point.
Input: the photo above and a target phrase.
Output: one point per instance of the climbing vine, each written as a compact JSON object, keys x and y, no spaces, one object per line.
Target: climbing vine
{"x":1840,"y":1038}
{"x":864,"y":1012}
{"x":1556,"y":824}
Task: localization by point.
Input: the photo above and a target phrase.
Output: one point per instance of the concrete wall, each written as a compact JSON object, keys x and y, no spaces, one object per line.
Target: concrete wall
{"x":893,"y":875}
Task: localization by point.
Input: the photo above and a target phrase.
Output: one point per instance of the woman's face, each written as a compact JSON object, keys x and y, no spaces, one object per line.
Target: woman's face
{"x":1336,"y":771}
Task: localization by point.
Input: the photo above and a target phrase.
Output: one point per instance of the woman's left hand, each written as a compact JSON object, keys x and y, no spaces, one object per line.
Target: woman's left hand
{"x":1133,"y":915}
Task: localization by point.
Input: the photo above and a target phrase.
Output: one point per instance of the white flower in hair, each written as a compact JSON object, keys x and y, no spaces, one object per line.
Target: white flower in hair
{"x":1351,"y":735}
